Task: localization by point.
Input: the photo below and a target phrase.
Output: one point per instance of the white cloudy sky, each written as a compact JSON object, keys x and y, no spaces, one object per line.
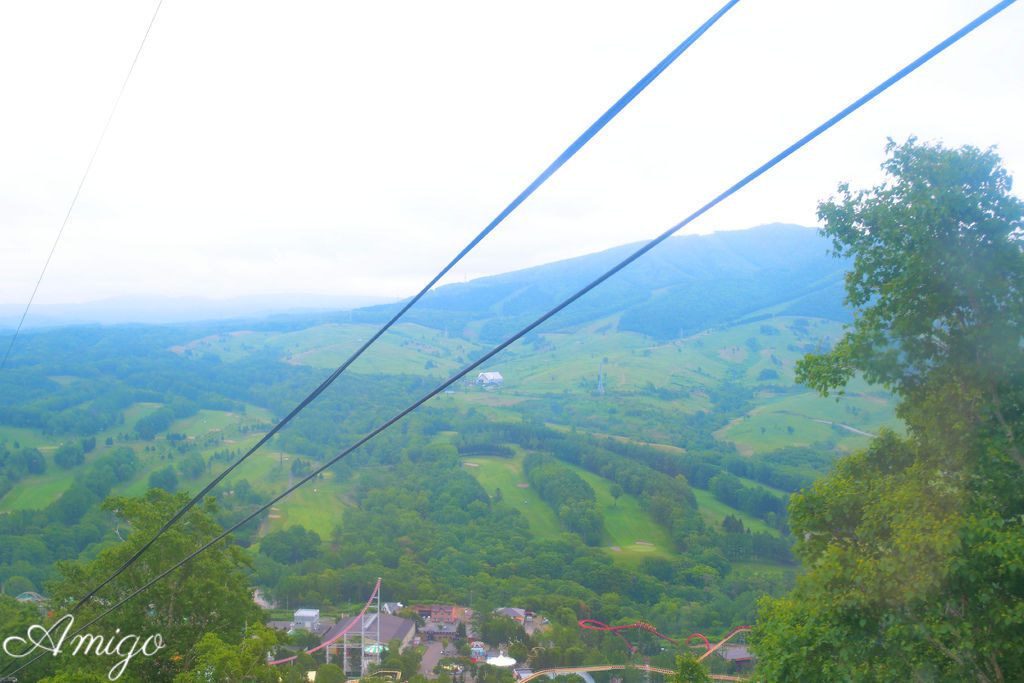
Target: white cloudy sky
{"x":352,"y":148}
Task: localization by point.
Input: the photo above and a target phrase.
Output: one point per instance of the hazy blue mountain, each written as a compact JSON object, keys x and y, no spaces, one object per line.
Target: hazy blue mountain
{"x":684,"y":285}
{"x":161,"y":309}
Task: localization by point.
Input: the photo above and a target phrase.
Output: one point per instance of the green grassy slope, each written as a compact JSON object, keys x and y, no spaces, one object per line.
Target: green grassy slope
{"x":630,"y":533}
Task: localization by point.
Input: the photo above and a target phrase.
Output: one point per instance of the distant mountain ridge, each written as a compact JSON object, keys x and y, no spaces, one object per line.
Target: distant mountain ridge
{"x":154,"y":309}
{"x":684,"y":285}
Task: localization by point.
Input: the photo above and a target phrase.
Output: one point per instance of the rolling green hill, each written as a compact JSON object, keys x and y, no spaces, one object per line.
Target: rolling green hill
{"x":687,"y":284}
{"x":699,"y":424}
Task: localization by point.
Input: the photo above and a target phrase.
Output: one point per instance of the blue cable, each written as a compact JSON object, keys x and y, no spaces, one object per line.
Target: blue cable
{"x":547,"y":173}
{"x":856,"y":104}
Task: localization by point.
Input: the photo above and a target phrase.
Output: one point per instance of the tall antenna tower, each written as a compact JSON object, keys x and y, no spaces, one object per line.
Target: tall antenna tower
{"x":600,"y":378}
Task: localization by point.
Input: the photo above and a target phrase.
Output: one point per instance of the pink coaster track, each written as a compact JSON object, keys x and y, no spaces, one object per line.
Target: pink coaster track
{"x":595,"y":625}
{"x":376,"y":589}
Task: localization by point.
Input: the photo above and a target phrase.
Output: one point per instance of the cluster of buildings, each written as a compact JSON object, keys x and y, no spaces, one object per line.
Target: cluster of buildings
{"x":367,"y":636}
{"x":364,"y":638}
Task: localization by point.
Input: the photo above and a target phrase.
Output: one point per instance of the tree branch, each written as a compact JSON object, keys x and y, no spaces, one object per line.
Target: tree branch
{"x":1014,"y":451}
{"x":946,"y":651}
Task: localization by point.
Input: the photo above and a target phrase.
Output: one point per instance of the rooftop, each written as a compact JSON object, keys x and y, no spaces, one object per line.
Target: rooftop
{"x":391,"y":627}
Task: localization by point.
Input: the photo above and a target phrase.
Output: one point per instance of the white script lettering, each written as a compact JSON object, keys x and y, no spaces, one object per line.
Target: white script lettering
{"x":52,"y":639}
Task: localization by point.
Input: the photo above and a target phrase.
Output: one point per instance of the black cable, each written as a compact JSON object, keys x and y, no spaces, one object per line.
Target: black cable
{"x":548,"y":172}
{"x":864,"y":99}
{"x":81,"y":183}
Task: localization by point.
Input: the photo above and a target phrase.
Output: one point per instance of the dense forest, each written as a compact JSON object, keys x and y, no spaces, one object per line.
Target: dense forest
{"x":124,"y":412}
{"x":637,"y":465}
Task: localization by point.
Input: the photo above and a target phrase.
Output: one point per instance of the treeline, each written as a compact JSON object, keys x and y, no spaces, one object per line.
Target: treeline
{"x":756,"y":501}
{"x":482,"y":447}
{"x":354,"y":406}
{"x":660,"y":479}
{"x":17,"y":464}
{"x":778,"y":468}
{"x":158,"y":421}
{"x":85,"y":401}
{"x":701,"y":469}
{"x":572,"y":499}
{"x":426,"y":526}
{"x":655,"y":420}
{"x":84,"y":408}
{"x":32,"y":540}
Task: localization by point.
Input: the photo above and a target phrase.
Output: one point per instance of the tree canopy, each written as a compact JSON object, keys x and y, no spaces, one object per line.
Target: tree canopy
{"x":196,"y":609}
{"x":914,"y":546}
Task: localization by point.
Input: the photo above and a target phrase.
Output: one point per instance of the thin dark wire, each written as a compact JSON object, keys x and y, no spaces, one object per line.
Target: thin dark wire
{"x":81,"y":183}
{"x":864,"y":99}
{"x":548,"y":172}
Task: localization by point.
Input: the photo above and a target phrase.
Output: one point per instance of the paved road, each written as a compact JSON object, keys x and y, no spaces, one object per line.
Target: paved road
{"x":430,"y":659}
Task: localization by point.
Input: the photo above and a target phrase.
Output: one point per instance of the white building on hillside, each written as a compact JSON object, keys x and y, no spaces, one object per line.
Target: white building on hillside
{"x":308,"y":619}
{"x":488,"y":379}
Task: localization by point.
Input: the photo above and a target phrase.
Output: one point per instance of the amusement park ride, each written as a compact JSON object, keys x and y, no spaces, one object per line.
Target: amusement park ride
{"x":365,"y":622}
{"x":598,"y":626}
{"x":584,"y":623}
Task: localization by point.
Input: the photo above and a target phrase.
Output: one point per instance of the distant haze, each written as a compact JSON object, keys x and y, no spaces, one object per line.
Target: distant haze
{"x":162,"y":309}
{"x":687,"y":282}
{"x":342,"y":147}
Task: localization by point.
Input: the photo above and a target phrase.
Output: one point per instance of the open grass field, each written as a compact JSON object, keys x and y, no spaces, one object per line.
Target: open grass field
{"x":715,"y":511}
{"x":805,"y":419}
{"x":25,"y":437}
{"x":133,"y":414}
{"x":35,"y":438}
{"x":213,"y":430}
{"x":564,"y":363}
{"x":775,"y":572}
{"x":318,"y":505}
{"x":204,"y":422}
{"x":627,"y":527}
{"x":761,"y":355}
{"x":406,"y":348}
{"x":568,"y":363}
{"x":37,"y":492}
{"x":506,"y":474}
{"x":750,"y":483}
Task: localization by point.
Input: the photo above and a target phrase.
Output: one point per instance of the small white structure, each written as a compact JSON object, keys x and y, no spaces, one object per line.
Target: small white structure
{"x":488,"y":379}
{"x":501,"y":660}
{"x":308,"y":619}
{"x":393,"y":607}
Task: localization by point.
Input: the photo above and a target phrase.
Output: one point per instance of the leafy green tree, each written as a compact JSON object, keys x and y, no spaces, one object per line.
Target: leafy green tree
{"x":216,"y":660}
{"x":305,"y":662}
{"x":34,"y":461}
{"x":73,"y":504}
{"x":291,"y":545}
{"x":208,"y":597}
{"x":915,"y":546}
{"x":68,"y":455}
{"x":193,"y":466}
{"x":732,"y":525}
{"x":16,"y":617}
{"x":689,"y":670}
{"x":164,"y":479}
{"x":16,"y":585}
{"x":615,"y":491}
{"x":330,"y":673}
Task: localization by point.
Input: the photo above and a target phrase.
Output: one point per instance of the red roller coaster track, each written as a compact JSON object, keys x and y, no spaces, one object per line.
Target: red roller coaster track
{"x":376,"y":589}
{"x":595,"y":625}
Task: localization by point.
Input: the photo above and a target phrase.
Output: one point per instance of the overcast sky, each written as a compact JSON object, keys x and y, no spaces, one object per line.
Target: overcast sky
{"x":353,"y":148}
